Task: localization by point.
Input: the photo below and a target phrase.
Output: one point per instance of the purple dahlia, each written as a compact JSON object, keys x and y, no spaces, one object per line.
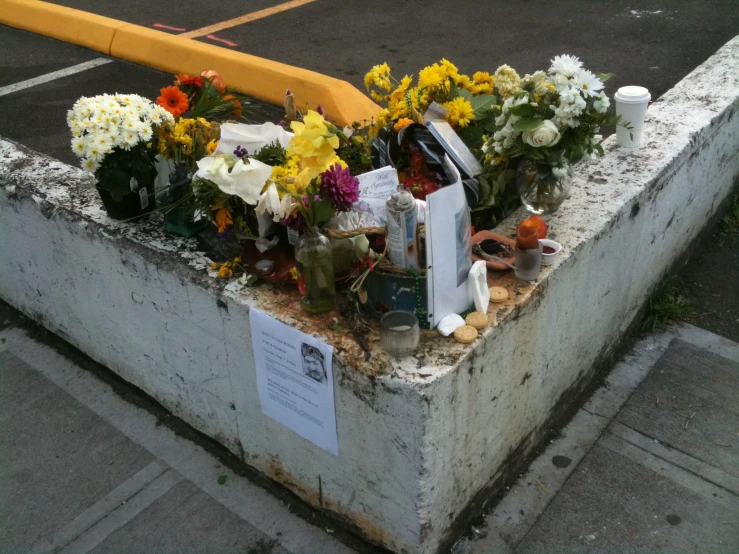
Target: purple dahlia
{"x":340,"y":187}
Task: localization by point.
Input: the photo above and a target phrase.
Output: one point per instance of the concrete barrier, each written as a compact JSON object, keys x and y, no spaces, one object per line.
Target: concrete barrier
{"x":419,"y":440}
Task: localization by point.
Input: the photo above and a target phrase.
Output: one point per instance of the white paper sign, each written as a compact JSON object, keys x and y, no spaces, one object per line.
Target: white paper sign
{"x":448,"y":249}
{"x":295,"y":379}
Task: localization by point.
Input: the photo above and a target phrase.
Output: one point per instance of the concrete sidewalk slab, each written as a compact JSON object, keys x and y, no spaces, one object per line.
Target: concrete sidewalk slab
{"x":58,"y":457}
{"x":123,"y":482}
{"x":613,"y":504}
{"x":625,"y":475}
{"x":692,"y":387}
{"x":186,"y":519}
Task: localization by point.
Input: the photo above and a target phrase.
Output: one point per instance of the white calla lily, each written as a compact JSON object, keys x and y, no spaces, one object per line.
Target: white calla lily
{"x":245,"y":180}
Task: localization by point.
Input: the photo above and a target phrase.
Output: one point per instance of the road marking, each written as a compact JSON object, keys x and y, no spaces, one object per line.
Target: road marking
{"x":168,"y":27}
{"x":221,"y":40}
{"x":54,"y":75}
{"x":210,"y":29}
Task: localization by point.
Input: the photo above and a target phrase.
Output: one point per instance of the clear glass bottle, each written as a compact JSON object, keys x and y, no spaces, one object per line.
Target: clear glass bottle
{"x":315,"y":265}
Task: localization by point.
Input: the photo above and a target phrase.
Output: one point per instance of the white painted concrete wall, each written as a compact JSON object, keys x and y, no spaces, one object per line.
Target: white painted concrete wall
{"x":418,"y":441}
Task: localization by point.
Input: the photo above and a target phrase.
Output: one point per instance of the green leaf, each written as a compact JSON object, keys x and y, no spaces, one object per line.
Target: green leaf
{"x":486,"y":190}
{"x":527,"y":124}
{"x":466,"y":94}
{"x":222,"y":479}
{"x":482,"y":103}
{"x":604,"y":76}
{"x":524,"y":110}
{"x":453,"y":90}
{"x":323,"y":210}
{"x":336,"y":328}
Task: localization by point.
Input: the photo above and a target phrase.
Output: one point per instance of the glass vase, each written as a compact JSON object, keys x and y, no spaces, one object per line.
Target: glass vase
{"x":179,"y":215}
{"x":541,"y":191}
{"x":315,"y":265}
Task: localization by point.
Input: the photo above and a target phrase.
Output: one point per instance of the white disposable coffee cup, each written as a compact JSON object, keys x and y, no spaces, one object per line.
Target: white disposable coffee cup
{"x":631,"y":105}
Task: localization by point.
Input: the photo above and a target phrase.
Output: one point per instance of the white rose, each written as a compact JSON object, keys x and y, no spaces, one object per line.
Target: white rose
{"x":546,"y":134}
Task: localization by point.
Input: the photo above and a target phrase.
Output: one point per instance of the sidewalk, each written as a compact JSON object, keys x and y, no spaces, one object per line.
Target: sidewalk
{"x":659,"y":474}
{"x":84,"y":470}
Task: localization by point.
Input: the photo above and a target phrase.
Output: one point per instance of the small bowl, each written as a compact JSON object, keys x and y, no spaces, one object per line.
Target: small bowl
{"x":549,"y":259}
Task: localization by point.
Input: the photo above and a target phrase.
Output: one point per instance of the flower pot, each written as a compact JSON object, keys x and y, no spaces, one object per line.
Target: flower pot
{"x":540,"y":189}
{"x":131,"y":204}
{"x":315,"y":265}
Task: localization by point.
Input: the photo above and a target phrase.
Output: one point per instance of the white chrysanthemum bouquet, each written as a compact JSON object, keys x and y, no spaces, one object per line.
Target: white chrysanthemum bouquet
{"x":112,"y":134}
{"x":103,"y":123}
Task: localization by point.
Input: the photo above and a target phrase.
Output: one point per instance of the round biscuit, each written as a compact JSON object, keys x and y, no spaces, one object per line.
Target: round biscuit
{"x":465,"y":334}
{"x":498,"y":294}
{"x":478,"y":320}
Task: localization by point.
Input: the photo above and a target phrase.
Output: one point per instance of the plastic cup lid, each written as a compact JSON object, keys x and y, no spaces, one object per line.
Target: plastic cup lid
{"x":632,"y":95}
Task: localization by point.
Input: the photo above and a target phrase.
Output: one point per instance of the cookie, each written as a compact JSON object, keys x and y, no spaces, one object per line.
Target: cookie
{"x":465,"y":334}
{"x":478,"y":320}
{"x":498,"y":294}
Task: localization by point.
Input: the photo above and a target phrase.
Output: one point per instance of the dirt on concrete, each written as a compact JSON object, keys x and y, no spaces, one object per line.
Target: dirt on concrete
{"x":710,"y":278}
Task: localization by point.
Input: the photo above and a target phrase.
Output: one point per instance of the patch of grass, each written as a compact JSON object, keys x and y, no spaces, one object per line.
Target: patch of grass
{"x":730,"y":222}
{"x":668,"y":304}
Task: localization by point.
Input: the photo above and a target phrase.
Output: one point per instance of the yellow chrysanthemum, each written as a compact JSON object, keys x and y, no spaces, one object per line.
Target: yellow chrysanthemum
{"x":460,"y":112}
{"x":380,"y":121}
{"x":379,"y":75}
{"x":212,"y":145}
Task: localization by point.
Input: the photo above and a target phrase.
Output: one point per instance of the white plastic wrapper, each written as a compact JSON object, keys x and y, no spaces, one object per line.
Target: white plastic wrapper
{"x":251,"y":137}
{"x":449,"y":324}
{"x":478,"y":283}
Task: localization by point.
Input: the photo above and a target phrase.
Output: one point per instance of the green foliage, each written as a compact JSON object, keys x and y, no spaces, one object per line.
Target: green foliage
{"x":211,"y":105}
{"x":355,"y":150}
{"x":273,"y":154}
{"x":222,"y":479}
{"x":730,"y":222}
{"x":120,"y":166}
{"x":667,"y":305}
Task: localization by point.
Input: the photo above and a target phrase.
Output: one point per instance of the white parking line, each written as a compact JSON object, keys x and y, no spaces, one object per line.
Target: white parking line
{"x":54,"y":75}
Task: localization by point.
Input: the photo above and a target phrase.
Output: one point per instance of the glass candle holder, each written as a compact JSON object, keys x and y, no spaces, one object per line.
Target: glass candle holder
{"x":528,"y":263}
{"x":399,"y":333}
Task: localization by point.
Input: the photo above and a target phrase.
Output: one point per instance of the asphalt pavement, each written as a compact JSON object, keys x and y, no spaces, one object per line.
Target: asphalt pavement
{"x":653,"y":43}
{"x":36,"y":116}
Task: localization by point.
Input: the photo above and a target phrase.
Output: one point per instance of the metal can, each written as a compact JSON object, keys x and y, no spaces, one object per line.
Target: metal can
{"x":402,"y":227}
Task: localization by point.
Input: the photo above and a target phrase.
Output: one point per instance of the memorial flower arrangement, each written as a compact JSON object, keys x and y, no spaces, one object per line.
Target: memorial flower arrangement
{"x":314,"y":183}
{"x":183,"y":142}
{"x":226,"y":188}
{"x":203,"y":96}
{"x":112,"y":135}
{"x":552,"y":119}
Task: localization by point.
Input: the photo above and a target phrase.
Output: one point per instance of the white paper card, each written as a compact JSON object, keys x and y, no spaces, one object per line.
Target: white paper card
{"x":375,"y":187}
{"x":448,"y":249}
{"x":379,"y":183}
{"x":295,"y":379}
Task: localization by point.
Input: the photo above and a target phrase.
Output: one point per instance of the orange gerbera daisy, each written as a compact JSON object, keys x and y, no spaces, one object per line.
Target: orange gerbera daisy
{"x":173,"y":100}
